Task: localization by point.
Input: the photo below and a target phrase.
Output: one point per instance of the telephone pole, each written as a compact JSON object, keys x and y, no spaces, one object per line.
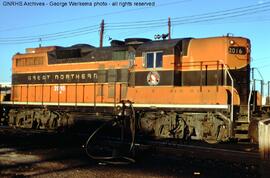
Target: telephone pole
{"x":169,"y":28}
{"x":101,"y":33}
{"x":40,"y":41}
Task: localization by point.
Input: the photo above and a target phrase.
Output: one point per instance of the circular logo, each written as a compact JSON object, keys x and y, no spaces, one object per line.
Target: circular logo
{"x":153,"y":78}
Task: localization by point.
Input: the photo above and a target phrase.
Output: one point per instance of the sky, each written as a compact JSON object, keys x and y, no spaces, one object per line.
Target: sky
{"x":49,"y":25}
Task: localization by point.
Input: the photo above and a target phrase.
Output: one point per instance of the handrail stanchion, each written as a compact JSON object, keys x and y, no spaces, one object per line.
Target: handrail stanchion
{"x":232,"y":93}
{"x":262,"y":83}
{"x":222,"y":75}
{"x":254,"y":96}
{"x":249,"y":100}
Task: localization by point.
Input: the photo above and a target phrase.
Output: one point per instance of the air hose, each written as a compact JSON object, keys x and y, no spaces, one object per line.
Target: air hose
{"x":115,"y":159}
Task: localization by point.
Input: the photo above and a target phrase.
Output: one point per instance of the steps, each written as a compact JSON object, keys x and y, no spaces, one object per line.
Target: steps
{"x":242,"y":137}
{"x":241,"y":127}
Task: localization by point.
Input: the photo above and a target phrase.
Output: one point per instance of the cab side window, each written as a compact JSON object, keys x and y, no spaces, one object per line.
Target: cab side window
{"x":159,"y":59}
{"x":150,"y":60}
{"x":154,"y":59}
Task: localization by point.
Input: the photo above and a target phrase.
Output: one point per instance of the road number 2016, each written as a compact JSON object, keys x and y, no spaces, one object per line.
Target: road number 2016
{"x":237,"y":50}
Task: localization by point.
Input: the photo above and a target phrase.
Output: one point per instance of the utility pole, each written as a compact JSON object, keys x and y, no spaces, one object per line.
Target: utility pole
{"x":40,"y":41}
{"x":101,"y":33}
{"x":169,"y":28}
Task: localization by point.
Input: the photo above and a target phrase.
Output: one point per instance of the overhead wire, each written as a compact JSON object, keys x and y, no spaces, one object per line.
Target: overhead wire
{"x":67,"y":35}
{"x":260,"y":59}
{"x":203,"y":15}
{"x":81,"y":29}
{"x":258,"y":63}
{"x":240,"y":21}
{"x":227,"y":11}
{"x":243,"y":20}
{"x":98,"y":15}
{"x":206,"y":17}
{"x":251,"y":7}
{"x":46,"y":37}
{"x":182,"y":22}
{"x":197,"y":19}
{"x":51,"y":39}
{"x":263,"y":66}
{"x":220,"y":17}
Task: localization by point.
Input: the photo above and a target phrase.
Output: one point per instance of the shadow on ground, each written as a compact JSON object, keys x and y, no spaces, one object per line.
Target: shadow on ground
{"x":60,"y":155}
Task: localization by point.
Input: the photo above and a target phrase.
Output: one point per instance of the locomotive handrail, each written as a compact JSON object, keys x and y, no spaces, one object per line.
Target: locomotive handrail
{"x":227,"y":72}
{"x":249,"y":100}
{"x":198,"y":63}
{"x":232,"y":86}
{"x":226,"y":69}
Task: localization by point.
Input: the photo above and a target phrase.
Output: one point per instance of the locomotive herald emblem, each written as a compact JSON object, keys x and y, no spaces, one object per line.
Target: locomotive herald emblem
{"x":153,"y":78}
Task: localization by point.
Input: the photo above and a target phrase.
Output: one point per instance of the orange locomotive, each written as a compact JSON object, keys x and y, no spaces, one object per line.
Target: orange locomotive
{"x":179,"y":88}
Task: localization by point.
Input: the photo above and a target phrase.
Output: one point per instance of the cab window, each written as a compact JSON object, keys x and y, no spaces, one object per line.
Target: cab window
{"x":154,"y":59}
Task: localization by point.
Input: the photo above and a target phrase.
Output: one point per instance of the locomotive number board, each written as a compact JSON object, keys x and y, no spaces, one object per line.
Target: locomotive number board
{"x":237,"y":50}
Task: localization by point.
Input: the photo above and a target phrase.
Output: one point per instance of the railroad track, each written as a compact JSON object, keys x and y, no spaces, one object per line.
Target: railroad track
{"x":232,"y":152}
{"x":240,"y":153}
{"x":247,"y":153}
{"x":5,"y":129}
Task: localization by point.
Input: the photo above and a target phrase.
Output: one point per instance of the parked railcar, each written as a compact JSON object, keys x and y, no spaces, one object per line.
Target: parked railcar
{"x":5,"y":91}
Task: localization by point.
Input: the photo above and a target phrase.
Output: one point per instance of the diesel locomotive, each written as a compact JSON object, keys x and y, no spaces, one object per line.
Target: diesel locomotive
{"x":187,"y":88}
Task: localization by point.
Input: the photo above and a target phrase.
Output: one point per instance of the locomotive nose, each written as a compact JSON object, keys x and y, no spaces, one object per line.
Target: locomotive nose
{"x":238,"y":52}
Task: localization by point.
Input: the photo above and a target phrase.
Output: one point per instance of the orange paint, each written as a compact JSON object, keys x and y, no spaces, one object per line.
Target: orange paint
{"x":201,"y":53}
